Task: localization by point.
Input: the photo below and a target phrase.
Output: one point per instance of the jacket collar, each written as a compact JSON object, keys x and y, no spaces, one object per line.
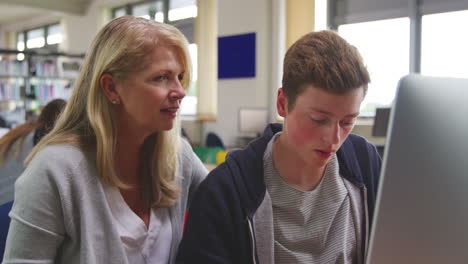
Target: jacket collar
{"x":246,"y":166}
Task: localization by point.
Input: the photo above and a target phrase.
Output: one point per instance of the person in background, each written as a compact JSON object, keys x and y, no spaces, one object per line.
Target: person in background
{"x":305,"y":191}
{"x":112,"y":181}
{"x":18,"y":143}
{"x":4,"y":126}
{"x":185,"y":136}
{"x":4,"y":123}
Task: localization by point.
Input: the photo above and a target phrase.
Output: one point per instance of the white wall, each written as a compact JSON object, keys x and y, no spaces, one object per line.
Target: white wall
{"x":238,"y":17}
{"x":81,"y":30}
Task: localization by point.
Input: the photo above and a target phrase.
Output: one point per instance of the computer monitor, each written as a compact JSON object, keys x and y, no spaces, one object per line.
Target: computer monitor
{"x":252,"y":121}
{"x":422,"y":201}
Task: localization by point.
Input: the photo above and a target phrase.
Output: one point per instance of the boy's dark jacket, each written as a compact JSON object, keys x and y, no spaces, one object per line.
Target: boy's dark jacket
{"x":219,"y":228}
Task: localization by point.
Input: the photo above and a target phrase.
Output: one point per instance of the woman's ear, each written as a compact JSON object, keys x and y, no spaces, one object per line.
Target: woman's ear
{"x":282,"y":103}
{"x":108,"y":86}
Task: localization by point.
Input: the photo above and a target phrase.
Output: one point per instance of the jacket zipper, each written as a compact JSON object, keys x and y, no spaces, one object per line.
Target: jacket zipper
{"x":252,"y":238}
{"x":366,"y":221}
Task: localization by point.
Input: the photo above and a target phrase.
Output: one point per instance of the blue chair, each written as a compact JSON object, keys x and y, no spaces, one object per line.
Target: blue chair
{"x":213,"y":140}
{"x":4,"y":225}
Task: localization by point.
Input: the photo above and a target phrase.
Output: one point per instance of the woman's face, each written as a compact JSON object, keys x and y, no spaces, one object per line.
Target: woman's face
{"x":150,"y":98}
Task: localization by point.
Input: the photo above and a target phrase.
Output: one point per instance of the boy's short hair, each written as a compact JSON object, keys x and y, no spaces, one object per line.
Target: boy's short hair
{"x":325,"y":60}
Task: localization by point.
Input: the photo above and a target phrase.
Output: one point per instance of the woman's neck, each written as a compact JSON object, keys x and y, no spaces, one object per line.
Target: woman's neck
{"x":127,"y":153}
{"x":128,"y":165}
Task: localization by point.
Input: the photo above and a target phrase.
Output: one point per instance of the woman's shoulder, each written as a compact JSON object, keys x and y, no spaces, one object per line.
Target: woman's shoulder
{"x":185,"y":151}
{"x":189,"y":163}
{"x":62,"y":159}
{"x":184,"y":146}
{"x":61,"y":152}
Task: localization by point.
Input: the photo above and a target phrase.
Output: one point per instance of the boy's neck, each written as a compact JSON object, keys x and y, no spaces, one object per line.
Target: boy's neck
{"x":293,"y":169}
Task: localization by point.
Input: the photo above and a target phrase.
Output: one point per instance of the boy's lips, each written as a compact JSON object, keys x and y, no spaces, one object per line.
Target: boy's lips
{"x":325,"y":153}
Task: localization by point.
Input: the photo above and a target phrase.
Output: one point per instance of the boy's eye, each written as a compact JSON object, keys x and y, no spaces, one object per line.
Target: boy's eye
{"x":347,"y":123}
{"x":319,"y":121}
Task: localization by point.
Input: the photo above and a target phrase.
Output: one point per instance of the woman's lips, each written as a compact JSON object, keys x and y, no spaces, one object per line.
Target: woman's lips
{"x":172,"y":111}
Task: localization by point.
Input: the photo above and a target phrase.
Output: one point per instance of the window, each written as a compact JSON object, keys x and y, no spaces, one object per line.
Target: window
{"x":35,"y":38}
{"x":142,"y":10}
{"x":20,"y":42}
{"x":189,"y":104}
{"x":182,"y":9}
{"x":384,"y":46}
{"x":118,"y":12}
{"x":20,"y":46}
{"x":429,"y":40}
{"x":444,"y":45}
{"x":46,"y":37}
{"x":320,"y":14}
{"x":54,"y":34}
{"x":179,"y":13}
{"x":150,"y":10}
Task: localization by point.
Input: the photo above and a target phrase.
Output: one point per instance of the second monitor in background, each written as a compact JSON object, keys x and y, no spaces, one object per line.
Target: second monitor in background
{"x":382,"y":115}
{"x":380,"y":127}
{"x":252,"y":122}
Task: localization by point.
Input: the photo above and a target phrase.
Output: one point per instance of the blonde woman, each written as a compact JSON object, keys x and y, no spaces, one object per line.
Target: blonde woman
{"x":112,"y":181}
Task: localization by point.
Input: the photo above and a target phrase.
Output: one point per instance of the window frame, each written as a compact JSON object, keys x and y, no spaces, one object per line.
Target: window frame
{"x":415,"y":11}
{"x":45,"y":29}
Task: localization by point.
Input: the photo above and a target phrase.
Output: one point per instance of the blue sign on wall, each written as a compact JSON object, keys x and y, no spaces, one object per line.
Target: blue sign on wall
{"x":236,"y":56}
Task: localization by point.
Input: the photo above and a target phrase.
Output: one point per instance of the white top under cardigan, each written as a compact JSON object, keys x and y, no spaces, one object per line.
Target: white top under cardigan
{"x":60,"y":213}
{"x":142,"y":245}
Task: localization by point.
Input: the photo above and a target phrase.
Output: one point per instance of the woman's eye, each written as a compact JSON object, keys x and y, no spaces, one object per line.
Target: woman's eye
{"x":180,"y":77}
{"x":160,"y":78}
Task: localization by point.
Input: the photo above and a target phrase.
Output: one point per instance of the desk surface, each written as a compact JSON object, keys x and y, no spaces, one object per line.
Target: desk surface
{"x":3,"y":131}
{"x":209,"y":167}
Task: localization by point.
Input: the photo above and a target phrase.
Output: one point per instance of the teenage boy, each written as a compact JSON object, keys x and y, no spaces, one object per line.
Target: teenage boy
{"x":305,"y":191}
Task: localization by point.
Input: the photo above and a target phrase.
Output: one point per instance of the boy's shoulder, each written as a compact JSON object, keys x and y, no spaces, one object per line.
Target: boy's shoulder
{"x":241,"y":176}
{"x":357,"y":145}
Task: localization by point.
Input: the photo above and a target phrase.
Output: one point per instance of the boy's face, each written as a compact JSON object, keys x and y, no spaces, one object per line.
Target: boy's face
{"x":318,"y":123}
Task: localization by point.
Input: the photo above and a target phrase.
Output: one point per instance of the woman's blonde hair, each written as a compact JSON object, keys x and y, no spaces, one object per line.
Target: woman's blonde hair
{"x":121,"y":48}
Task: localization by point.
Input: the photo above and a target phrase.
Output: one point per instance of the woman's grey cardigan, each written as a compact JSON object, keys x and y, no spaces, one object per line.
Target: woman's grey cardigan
{"x":61,"y":215}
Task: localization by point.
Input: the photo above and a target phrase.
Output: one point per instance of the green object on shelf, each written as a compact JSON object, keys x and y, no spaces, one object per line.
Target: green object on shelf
{"x":207,"y":154}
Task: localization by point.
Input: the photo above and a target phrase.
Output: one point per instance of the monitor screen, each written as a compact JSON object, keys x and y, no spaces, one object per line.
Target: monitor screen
{"x":421,"y":211}
{"x":253,"y":120}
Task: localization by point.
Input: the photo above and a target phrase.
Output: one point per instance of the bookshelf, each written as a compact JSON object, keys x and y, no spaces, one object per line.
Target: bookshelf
{"x":28,"y":84}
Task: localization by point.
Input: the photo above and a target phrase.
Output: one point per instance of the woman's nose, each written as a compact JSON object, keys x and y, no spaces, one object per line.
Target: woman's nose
{"x":178,"y":92}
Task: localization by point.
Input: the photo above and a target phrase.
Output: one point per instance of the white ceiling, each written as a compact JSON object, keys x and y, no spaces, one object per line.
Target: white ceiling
{"x":15,"y":10}
{"x":11,"y":13}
